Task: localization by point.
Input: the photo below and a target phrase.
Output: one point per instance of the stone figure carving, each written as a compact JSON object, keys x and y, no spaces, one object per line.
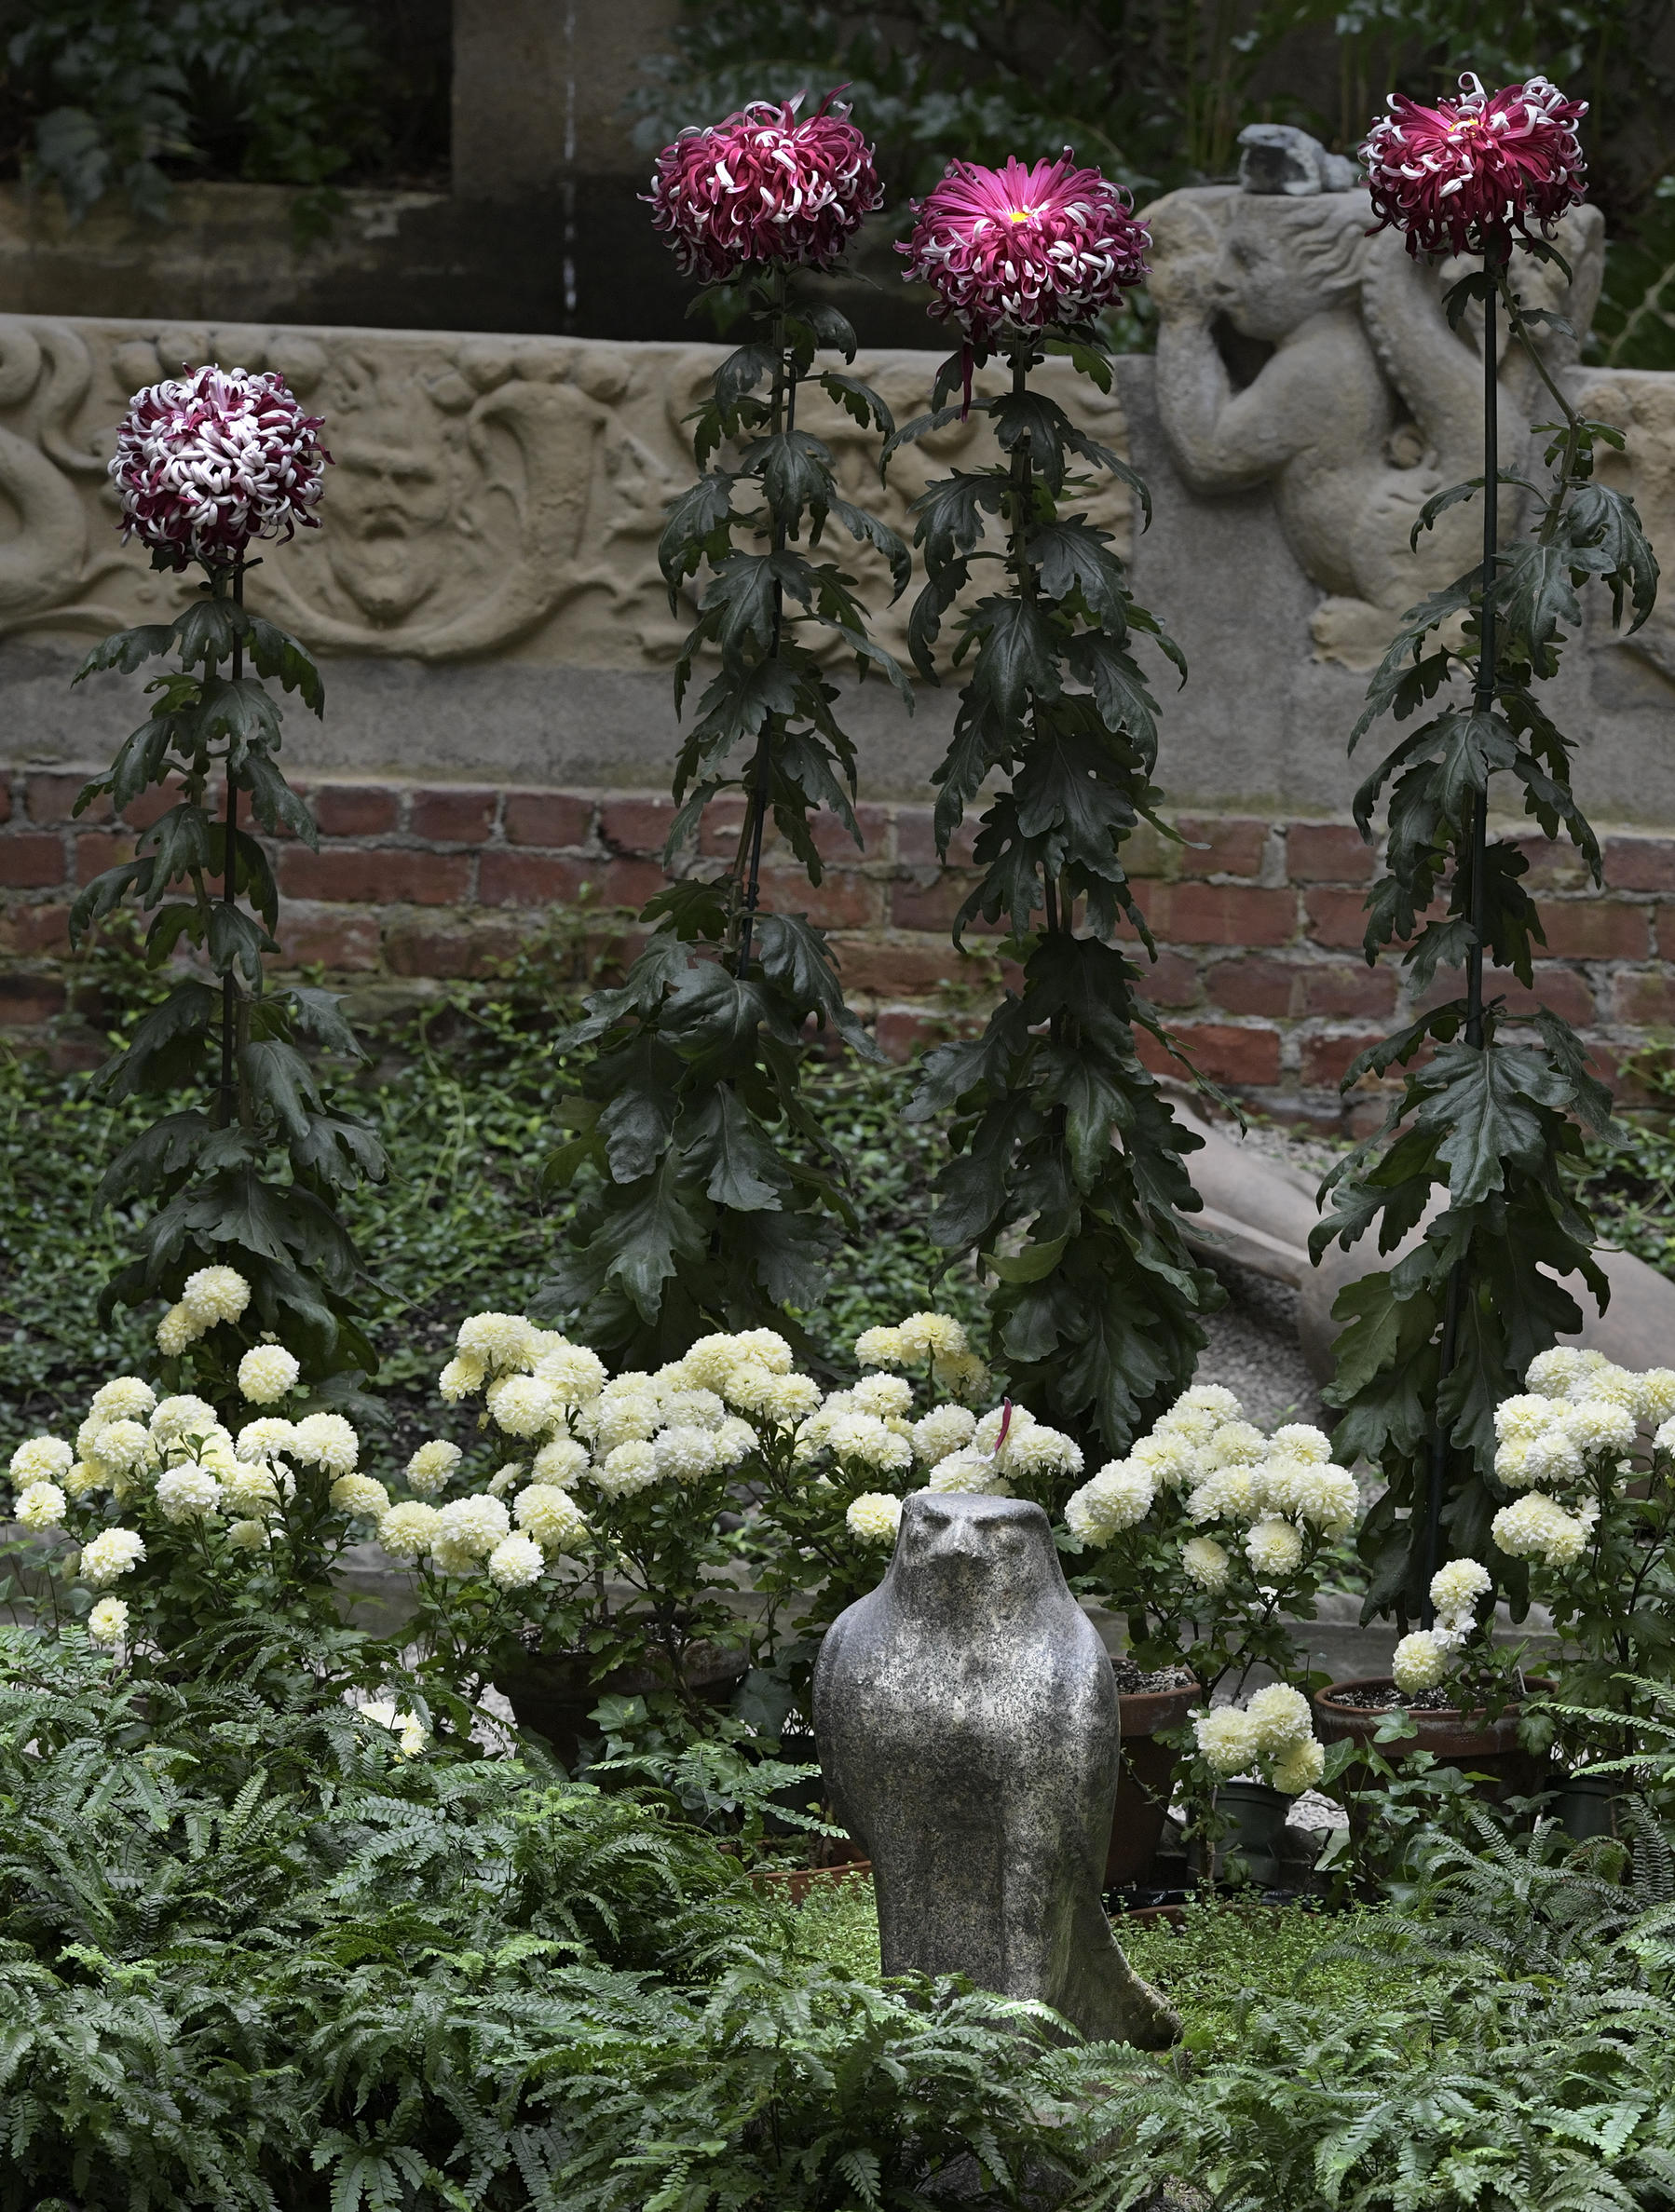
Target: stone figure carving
{"x":1347,"y":392}
{"x":1279,"y":157}
{"x":966,"y":1716}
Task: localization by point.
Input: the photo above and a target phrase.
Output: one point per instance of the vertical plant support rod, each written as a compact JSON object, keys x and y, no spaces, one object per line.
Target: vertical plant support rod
{"x":229,"y":989}
{"x":1483,"y":702}
{"x":785,"y":417}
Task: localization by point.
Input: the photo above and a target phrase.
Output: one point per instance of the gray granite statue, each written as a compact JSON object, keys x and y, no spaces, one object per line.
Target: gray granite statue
{"x":966,"y":1715}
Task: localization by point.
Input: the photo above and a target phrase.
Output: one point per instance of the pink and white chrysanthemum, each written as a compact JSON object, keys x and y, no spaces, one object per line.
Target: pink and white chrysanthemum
{"x":1475,"y":172}
{"x":1013,"y":251}
{"x":764,"y":186}
{"x":206,"y":462}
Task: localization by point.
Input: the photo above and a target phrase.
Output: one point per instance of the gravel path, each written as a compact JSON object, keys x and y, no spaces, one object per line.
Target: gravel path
{"x":1254,"y":1353}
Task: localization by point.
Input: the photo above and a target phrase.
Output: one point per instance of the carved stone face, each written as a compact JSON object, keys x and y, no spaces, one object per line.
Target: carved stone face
{"x":1282,"y":263}
{"x":389,"y":498}
{"x":973,"y":1560}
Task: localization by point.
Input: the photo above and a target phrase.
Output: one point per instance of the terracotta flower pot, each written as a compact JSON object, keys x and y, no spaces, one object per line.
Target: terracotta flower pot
{"x":552,"y":1693}
{"x":1456,"y":1738}
{"x":796,"y":1882}
{"x":1143,"y":1783}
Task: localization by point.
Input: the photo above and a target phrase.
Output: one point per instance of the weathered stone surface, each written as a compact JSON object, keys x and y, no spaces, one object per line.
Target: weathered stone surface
{"x":966,"y":1715}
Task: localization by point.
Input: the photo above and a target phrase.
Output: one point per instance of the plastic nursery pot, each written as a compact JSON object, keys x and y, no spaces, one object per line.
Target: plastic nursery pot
{"x":1143,"y":1779}
{"x":1455,"y":1738}
{"x":552,"y":1695}
{"x":1589,"y":1805}
{"x":795,"y":1882}
{"x":1258,"y":1814}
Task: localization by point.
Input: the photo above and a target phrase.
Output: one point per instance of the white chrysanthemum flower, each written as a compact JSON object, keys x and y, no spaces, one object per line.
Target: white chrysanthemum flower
{"x":1194,"y":1428}
{"x":563,"y":1461}
{"x":521,"y":1405}
{"x":1039,"y":1450}
{"x":1665,"y":1439}
{"x":408,"y":1728}
{"x":1228,"y":1740}
{"x":1273,"y":1548}
{"x":1015,"y":1420}
{"x":434,"y":1466}
{"x":710,"y":1362}
{"x":182,"y":1416}
{"x":503,"y":1477}
{"x":107,"y":1623}
{"x":1230,"y":1494}
{"x":1655,"y":1399}
{"x":88,"y":1436}
{"x":1206,"y":1562}
{"x":1281,"y":1716}
{"x":627,"y":1469}
{"x":476,"y":1525}
{"x":360,"y":1495}
{"x":408,"y":1530}
{"x":81,"y":1478}
{"x":248,"y":1535}
{"x":1536,"y":1526}
{"x":176,"y":1331}
{"x":122,"y":1447}
{"x":459,"y":1379}
{"x":633,"y":1382}
{"x":1603,"y":1424}
{"x":610,"y":1421}
{"x":41,"y":1459}
{"x":937,"y":1336}
{"x":1607,"y":1381}
{"x":767,"y":1348}
{"x":1211,"y":1398}
{"x":263,"y":1439}
{"x":1236,"y":1444}
{"x":693,"y":1409}
{"x":788,"y":1399}
{"x":1512,"y":1463}
{"x":515,"y":1562}
{"x":552,"y":1517}
{"x":214,"y":1295}
{"x":1302,"y":1440}
{"x":683,"y":1455}
{"x":969,"y":1471}
{"x":1297,"y":1768}
{"x":863,"y":1440}
{"x":874,"y":1518}
{"x":1117,"y":1497}
{"x":1521,"y":1417}
{"x":961,"y":1372}
{"x":1457,"y":1587}
{"x":266,"y":1373}
{"x":449,"y":1556}
{"x":1422,"y":1661}
{"x":111,"y":1552}
{"x":881,"y":1348}
{"x":1325,"y":1496}
{"x":943,"y":1430}
{"x":325,"y":1439}
{"x":124,"y":1398}
{"x":572,"y":1373}
{"x":251,"y":1490}
{"x":735,"y":1439}
{"x":40,"y":1505}
{"x":1551,"y":1372}
{"x":889,"y":1396}
{"x":1170,"y":1458}
{"x":187,"y":1492}
{"x":495,"y":1339}
{"x":1554,"y":1457}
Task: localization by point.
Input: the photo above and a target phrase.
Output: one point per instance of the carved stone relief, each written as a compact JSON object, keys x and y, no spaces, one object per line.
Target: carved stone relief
{"x":491,"y":496}
{"x":1296,"y":351}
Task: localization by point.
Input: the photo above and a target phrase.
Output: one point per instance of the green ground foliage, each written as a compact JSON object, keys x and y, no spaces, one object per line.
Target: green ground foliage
{"x":463,"y":1095}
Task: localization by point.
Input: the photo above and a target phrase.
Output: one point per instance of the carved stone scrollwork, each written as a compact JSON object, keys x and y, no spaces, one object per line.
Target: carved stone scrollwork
{"x":491,"y":497}
{"x":1298,"y":352}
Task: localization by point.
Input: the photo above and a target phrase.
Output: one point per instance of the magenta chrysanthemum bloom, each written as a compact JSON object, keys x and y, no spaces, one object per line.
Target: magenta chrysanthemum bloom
{"x":764,"y":186}
{"x":1017,"y":249}
{"x":206,"y":462}
{"x":1472,"y":173}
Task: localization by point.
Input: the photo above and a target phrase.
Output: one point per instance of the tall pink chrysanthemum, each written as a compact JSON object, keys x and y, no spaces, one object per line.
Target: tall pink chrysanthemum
{"x":1473,"y":173}
{"x":764,"y":186}
{"x":206,"y":462}
{"x":1013,"y":251}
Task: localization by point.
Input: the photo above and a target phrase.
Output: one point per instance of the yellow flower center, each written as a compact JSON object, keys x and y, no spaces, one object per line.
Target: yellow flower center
{"x":1019,"y":214}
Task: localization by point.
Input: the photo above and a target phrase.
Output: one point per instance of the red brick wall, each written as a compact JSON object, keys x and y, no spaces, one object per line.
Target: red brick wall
{"x":1258,"y":923}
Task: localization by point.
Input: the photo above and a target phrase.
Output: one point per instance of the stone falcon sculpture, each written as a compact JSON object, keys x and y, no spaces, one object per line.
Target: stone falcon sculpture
{"x":966,"y":1715}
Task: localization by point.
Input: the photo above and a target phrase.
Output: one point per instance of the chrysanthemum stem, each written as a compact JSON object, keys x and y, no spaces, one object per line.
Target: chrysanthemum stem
{"x":761,"y":776}
{"x":229,"y":989}
{"x":1483,"y":702}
